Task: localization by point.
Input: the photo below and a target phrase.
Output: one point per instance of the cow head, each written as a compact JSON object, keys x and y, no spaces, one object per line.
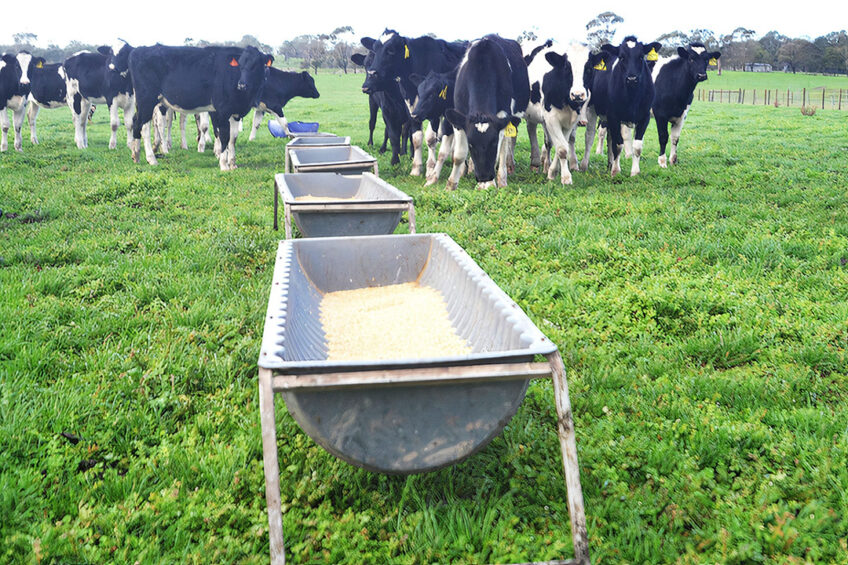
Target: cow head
{"x":572,"y":93}
{"x":307,"y":86}
{"x":120,"y":62}
{"x":9,"y":65}
{"x":24,"y":58}
{"x":435,"y":94}
{"x":391,"y":54}
{"x":697,"y":60}
{"x":252,"y":66}
{"x":483,"y":133}
{"x":632,"y":60}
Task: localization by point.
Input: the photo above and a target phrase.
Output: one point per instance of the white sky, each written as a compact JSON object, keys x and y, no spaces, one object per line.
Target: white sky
{"x":272,"y":22}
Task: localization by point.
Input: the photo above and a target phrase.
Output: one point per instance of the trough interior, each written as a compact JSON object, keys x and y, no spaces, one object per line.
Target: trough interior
{"x":480,"y":316}
{"x":359,"y":187}
{"x":319,"y":140}
{"x":320,"y":155}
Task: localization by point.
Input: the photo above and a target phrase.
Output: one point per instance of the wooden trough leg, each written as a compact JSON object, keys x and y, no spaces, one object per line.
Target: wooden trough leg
{"x":272,"y":468}
{"x":411,"y":215}
{"x":568,"y":445}
{"x":287,"y":220}
{"x":276,"y":205}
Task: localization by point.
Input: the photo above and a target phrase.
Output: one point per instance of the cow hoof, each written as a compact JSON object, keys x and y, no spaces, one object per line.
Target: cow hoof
{"x":450,"y":185}
{"x":431,"y":180}
{"x":583,"y":167}
{"x":415,"y":172}
{"x":662,"y":162}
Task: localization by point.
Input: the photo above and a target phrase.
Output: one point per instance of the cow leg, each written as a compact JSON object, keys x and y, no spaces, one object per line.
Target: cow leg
{"x":639,"y":134}
{"x":662,"y":134}
{"x":167,"y":139}
{"x":615,"y":144}
{"x":32,"y":114}
{"x":257,"y":121}
{"x":676,"y":128}
{"x":445,"y":149}
{"x":373,"y":106}
{"x":547,"y":162}
{"x":18,"y":122}
{"x":417,"y":151}
{"x":183,"y":120}
{"x":203,"y":124}
{"x":572,"y":155}
{"x":627,"y":136}
{"x":591,"y":124}
{"x":432,"y":138}
{"x":602,"y":135}
{"x":114,"y":122}
{"x":535,"y":154}
{"x":460,"y":153}
{"x":558,"y":127}
{"x":505,"y":145}
{"x":80,"y":108}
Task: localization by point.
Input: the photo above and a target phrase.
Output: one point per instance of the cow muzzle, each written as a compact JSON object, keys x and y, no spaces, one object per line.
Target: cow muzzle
{"x":701,"y":77}
{"x":241,"y":85}
{"x":632,"y":80}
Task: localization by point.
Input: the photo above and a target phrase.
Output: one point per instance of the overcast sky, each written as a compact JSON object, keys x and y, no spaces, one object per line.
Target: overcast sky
{"x":151,"y":21}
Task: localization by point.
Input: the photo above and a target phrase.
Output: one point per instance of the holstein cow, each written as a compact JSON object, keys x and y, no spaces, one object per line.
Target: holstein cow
{"x":225,"y":80}
{"x":600,"y":64}
{"x":363,"y":61}
{"x":674,"y":85}
{"x":435,"y":97}
{"x":280,"y":87}
{"x":630,"y":93}
{"x":492,"y":93}
{"x":14,"y":90}
{"x":396,"y":118}
{"x":47,"y":90}
{"x":97,"y":78}
{"x":396,"y":58}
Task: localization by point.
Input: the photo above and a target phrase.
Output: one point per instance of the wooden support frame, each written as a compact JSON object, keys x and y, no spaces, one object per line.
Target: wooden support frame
{"x":271,"y":383}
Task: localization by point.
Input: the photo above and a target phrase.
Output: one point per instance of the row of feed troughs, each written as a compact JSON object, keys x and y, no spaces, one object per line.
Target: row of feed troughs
{"x":396,"y":415}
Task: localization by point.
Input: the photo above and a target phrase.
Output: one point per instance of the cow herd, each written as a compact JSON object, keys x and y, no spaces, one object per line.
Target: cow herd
{"x":474,"y":94}
{"x":149,"y":83}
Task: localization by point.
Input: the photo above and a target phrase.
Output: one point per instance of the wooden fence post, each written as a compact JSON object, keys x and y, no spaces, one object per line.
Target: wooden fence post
{"x":754,"y":101}
{"x":823,"y":91}
{"x":803,"y":96}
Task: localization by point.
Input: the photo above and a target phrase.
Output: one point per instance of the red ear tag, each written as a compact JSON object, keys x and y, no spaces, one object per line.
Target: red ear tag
{"x":234,"y":63}
{"x":268,"y":64}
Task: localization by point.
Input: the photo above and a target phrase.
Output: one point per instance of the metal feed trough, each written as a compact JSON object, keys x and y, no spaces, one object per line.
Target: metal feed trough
{"x":342,"y":159}
{"x":369,"y":205}
{"x":401,"y":416}
{"x":315,"y":141}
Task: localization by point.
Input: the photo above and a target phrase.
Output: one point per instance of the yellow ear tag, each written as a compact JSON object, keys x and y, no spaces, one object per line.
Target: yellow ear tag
{"x":510,"y":131}
{"x":444,"y":93}
{"x":713,"y":62}
{"x":406,"y":51}
{"x":602,"y":66}
{"x":652,"y":55}
{"x":39,"y":65}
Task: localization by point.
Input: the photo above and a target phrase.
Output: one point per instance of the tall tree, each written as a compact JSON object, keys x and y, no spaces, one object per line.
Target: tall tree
{"x":601,"y":29}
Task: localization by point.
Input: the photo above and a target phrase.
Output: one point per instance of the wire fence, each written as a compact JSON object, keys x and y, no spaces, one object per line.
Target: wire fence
{"x":821,"y":97}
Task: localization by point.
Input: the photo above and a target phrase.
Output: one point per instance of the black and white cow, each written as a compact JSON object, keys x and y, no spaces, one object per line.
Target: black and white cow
{"x":492,"y":92}
{"x":47,"y":90}
{"x":396,"y":58}
{"x":363,"y":60}
{"x":599,"y":65}
{"x":98,"y":78}
{"x":14,"y":91}
{"x":387,"y":95}
{"x":674,"y":86}
{"x":630,"y":93}
{"x":280,"y":87}
{"x":225,"y":80}
{"x":435,"y":97}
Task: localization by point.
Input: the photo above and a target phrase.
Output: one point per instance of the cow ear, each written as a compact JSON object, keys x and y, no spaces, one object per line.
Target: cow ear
{"x":368,"y":42}
{"x":715,"y":55}
{"x":682,"y":52}
{"x":456,"y":119}
{"x":358,"y":59}
{"x":611,"y":49}
{"x":555,"y":59}
{"x":501,"y":123}
{"x":104,"y":50}
{"x":655,"y":46}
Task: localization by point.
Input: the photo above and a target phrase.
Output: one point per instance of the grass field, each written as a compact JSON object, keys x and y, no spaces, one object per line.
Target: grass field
{"x":701,"y":311}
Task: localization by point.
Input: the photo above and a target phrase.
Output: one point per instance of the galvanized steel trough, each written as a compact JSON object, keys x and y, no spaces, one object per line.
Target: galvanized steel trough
{"x":410,"y":415}
{"x":369,"y":205}
{"x":329,"y":140}
{"x":341,"y":159}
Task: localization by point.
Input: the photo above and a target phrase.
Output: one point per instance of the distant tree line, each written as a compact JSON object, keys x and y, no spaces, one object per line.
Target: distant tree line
{"x":739,"y":49}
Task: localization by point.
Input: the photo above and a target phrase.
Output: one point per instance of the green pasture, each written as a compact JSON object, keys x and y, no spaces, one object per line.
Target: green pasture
{"x":701,"y":311}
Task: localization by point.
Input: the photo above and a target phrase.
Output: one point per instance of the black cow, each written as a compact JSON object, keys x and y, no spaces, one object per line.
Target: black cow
{"x":363,"y":61}
{"x":47,"y":90}
{"x":280,"y":87}
{"x":435,"y":96}
{"x":599,"y":65}
{"x":388,"y":97}
{"x":14,"y":90}
{"x":396,"y":58}
{"x":225,"y":80}
{"x":97,"y":78}
{"x":674,"y":85}
{"x":630,"y":93}
{"x":492,"y":92}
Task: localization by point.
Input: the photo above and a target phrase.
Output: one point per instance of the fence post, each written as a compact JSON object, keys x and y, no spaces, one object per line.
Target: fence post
{"x":741,"y":96}
{"x":840,"y":98}
{"x":803,"y":96}
{"x":823,"y":91}
{"x":754,"y":101}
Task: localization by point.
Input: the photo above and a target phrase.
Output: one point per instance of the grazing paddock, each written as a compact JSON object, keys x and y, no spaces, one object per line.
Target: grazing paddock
{"x":701,"y":311}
